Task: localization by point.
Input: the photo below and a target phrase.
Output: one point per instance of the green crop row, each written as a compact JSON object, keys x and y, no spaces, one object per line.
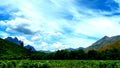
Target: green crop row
{"x":59,"y":64}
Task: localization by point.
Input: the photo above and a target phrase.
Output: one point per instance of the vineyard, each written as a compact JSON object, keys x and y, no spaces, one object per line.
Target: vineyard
{"x":59,"y":64}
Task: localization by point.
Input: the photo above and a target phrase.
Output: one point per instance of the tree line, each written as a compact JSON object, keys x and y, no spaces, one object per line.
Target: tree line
{"x":113,"y":54}
{"x":65,"y":54}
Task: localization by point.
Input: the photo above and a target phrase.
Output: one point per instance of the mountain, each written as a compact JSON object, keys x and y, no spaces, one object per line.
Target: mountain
{"x":111,"y":46}
{"x":29,"y":47}
{"x":19,"y":42}
{"x":45,"y":51}
{"x":80,"y":48}
{"x":71,"y":49}
{"x":103,"y":42}
{"x":15,"y":40}
{"x":10,"y":50}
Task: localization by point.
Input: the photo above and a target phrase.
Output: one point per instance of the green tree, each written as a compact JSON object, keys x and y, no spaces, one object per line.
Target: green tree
{"x":92,"y":54}
{"x":77,"y":54}
{"x":62,"y":54}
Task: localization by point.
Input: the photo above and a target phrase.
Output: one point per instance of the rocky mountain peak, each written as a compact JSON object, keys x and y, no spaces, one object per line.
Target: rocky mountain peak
{"x":15,"y":40}
{"x":105,"y":37}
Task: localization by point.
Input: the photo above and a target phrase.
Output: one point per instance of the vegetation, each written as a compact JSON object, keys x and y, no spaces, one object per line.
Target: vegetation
{"x":59,"y":59}
{"x":9,"y":50}
{"x":59,"y":64}
{"x":113,"y":54}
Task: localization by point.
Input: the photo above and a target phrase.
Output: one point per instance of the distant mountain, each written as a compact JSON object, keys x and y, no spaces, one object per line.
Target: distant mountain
{"x":103,"y":42}
{"x":45,"y":51}
{"x":111,"y":46}
{"x":71,"y":49}
{"x":10,"y":50}
{"x":15,"y":40}
{"x":80,"y":48}
{"x":29,"y":47}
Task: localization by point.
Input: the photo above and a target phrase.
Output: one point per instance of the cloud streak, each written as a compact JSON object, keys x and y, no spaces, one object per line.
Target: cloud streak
{"x":59,"y":24}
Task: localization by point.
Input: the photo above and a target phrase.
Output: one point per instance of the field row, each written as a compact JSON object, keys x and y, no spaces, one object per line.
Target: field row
{"x":59,"y":64}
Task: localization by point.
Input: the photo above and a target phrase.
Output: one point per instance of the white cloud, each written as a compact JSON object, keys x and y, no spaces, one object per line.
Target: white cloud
{"x":99,"y":26}
{"x":58,"y":45}
{"x":22,"y":25}
{"x":35,"y":38}
{"x":44,"y":44}
{"x":58,"y":21}
{"x":2,"y":23}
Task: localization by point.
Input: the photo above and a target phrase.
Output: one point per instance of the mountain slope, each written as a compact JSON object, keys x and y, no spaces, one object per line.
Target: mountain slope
{"x":103,"y":42}
{"x":29,"y":47}
{"x":11,"y":50}
{"x":114,"y":45}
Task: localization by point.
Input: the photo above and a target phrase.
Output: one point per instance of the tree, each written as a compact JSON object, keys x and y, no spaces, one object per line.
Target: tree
{"x":92,"y":54}
{"x":113,"y":54}
{"x":62,"y":54}
{"x":77,"y":54}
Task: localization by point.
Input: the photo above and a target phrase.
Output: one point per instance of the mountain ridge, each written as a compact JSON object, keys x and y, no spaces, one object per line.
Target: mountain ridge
{"x":95,"y":46}
{"x":114,"y":45}
{"x":19,"y":42}
{"x":102,"y":42}
{"x":15,"y":40}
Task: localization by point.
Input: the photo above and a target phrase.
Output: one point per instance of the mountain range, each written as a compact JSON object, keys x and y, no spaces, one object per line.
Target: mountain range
{"x":71,"y":49}
{"x":29,"y":47}
{"x":95,"y":46}
{"x":98,"y":45}
{"x":11,"y":48}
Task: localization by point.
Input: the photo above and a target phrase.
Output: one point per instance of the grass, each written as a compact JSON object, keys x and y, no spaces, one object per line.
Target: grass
{"x":59,"y":63}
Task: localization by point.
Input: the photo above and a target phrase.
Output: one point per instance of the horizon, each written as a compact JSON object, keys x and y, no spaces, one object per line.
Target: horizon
{"x":58,"y":24}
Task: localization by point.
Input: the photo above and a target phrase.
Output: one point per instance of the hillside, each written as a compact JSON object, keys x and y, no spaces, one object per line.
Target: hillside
{"x":114,"y":45}
{"x":103,"y":42}
{"x":11,"y":50}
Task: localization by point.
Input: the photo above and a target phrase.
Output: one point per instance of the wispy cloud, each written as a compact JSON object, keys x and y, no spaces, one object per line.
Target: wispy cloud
{"x":57,"y":24}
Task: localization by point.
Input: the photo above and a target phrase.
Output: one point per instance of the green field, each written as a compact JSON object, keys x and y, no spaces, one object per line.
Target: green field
{"x":59,"y":63}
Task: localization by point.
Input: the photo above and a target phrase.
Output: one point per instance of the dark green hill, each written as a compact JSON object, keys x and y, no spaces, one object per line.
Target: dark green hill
{"x":9,"y":50}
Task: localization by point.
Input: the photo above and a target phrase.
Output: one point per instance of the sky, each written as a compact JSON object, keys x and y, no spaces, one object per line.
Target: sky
{"x":59,"y":24}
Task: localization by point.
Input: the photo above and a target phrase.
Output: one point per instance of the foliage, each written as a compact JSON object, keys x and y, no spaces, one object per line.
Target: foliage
{"x":9,"y":50}
{"x":59,"y":64}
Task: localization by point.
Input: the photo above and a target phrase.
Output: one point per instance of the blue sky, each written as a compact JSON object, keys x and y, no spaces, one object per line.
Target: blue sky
{"x":59,"y":24}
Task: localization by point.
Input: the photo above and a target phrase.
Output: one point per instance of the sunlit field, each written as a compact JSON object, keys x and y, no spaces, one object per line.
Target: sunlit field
{"x":59,"y":64}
